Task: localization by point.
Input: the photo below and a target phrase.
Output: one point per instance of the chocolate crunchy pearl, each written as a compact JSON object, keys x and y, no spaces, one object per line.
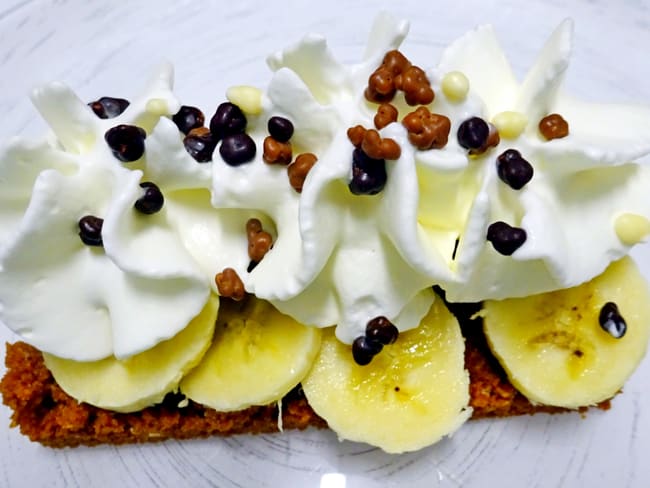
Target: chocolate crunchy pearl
{"x":227,"y":120}
{"x":151,"y":201}
{"x":364,"y":349}
{"x":386,"y":114}
{"x":415,"y":85}
{"x":611,"y":321}
{"x":90,"y":230}
{"x":377,"y":147}
{"x":371,"y":143}
{"x":473,"y":133}
{"x":299,"y":169}
{"x":237,"y":149}
{"x":200,"y":144}
{"x":368,"y":175}
{"x":381,"y":86}
{"x":395,"y":62}
{"x":276,"y":152}
{"x":514,"y":170}
{"x":553,"y":126}
{"x":108,"y":107}
{"x":188,"y":118}
{"x":259,"y":241}
{"x":382,"y":330}
{"x":230,"y":285}
{"x":126,"y":142}
{"x":504,"y":238}
{"x":427,"y":130}
{"x":281,"y":129}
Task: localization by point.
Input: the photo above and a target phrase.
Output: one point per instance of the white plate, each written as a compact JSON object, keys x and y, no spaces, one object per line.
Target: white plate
{"x":106,"y":48}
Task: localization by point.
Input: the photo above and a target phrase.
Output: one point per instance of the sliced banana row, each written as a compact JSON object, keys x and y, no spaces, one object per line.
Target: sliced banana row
{"x":568,"y":348}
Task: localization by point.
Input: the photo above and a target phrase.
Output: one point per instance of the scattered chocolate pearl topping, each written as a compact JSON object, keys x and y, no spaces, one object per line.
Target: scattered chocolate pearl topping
{"x":386,"y":114}
{"x":188,"y":118}
{"x":281,"y":129}
{"x":237,"y":149}
{"x":371,"y":143}
{"x":493,"y":140}
{"x":126,"y":142}
{"x":152,"y":200}
{"x":473,"y":133}
{"x":382,"y":330}
{"x":553,"y":126}
{"x":230,"y":284}
{"x":259,"y":241}
{"x":427,"y":130}
{"x":90,"y":230}
{"x":298,"y":170}
{"x":611,"y":321}
{"x":514,"y":170}
{"x":276,"y":152}
{"x":415,"y":85}
{"x":364,"y":349}
{"x":504,"y":238}
{"x":227,"y":120}
{"x":368,"y":174}
{"x":108,"y":107}
{"x":200,"y":144}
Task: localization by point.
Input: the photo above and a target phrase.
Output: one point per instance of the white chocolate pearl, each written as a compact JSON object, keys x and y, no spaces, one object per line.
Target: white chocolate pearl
{"x":631,"y":228}
{"x":510,"y":124}
{"x":455,"y":86}
{"x":247,"y":98}
{"x":157,"y":106}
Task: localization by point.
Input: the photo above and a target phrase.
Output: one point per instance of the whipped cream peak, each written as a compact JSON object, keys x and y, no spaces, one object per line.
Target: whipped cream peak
{"x":74,"y":300}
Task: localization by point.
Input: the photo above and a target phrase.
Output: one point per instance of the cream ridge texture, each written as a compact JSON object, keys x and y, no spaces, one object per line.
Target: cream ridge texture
{"x":337,"y":257}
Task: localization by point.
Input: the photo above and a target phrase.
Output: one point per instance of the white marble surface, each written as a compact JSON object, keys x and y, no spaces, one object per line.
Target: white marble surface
{"x":106,"y":48}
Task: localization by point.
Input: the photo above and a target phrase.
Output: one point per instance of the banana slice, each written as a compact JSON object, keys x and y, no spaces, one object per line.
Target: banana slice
{"x":258,"y":355}
{"x":553,"y":347}
{"x":414,"y":391}
{"x":132,"y":384}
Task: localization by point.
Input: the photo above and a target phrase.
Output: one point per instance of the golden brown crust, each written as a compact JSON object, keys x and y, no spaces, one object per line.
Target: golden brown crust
{"x":46,"y":414}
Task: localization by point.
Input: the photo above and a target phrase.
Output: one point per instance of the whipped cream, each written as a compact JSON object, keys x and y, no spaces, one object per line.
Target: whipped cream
{"x":337,"y":258}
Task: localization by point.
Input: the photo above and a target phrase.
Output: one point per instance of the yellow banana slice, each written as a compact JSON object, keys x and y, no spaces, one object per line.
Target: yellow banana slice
{"x":257,"y":356}
{"x":554,"y":348}
{"x":135,"y":383}
{"x":414,"y":391}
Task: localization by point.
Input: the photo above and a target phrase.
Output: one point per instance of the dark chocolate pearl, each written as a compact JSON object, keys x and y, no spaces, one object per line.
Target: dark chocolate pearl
{"x":368,"y":174}
{"x":108,"y":108}
{"x":514,"y":170}
{"x":611,"y":320}
{"x":90,"y":230}
{"x":200,"y":144}
{"x":381,"y":330}
{"x":227,"y":120}
{"x":152,"y":200}
{"x":505,"y":238}
{"x":281,"y":129}
{"x":473,"y":133}
{"x":252,"y":265}
{"x":237,"y":149}
{"x":188,"y":118}
{"x":364,"y":349}
{"x":126,"y":142}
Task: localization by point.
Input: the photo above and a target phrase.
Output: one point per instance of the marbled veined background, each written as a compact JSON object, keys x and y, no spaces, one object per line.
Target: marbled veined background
{"x":109,"y":48}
